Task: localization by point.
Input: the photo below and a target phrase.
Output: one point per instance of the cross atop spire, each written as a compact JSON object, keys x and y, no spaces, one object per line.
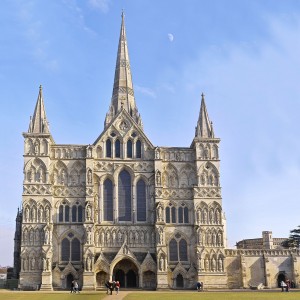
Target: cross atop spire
{"x":204,"y":127}
{"x":38,"y":123}
{"x":123,"y":94}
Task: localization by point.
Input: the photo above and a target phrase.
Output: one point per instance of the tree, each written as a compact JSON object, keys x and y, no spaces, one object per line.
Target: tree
{"x":294,"y":239}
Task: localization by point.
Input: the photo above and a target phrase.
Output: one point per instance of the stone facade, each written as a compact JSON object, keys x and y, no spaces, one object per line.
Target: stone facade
{"x":123,"y":209}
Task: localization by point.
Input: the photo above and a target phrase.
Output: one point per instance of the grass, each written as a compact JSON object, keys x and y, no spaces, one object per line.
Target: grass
{"x":7,"y":295}
{"x":182,"y":295}
{"x":257,"y":295}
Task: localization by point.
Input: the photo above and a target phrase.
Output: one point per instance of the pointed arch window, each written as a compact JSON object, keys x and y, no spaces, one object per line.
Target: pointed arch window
{"x":129,"y":149}
{"x":65,"y":249}
{"x":117,"y":148}
{"x":141,"y":200}
{"x":108,"y":200}
{"x":183,"y":250}
{"x":173,"y":213}
{"x":173,"y":250}
{"x":124,"y":196}
{"x":70,"y":248}
{"x":64,"y":212}
{"x":168,"y":215}
{"x":76,"y":213}
{"x":183,"y":214}
{"x":80,"y":210}
{"x":75,"y":250}
{"x":138,"y":149}
{"x":178,"y":250}
{"x":108,"y":148}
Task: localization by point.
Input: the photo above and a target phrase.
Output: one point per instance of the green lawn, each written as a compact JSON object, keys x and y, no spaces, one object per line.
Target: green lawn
{"x":257,"y":295}
{"x":51,"y":296}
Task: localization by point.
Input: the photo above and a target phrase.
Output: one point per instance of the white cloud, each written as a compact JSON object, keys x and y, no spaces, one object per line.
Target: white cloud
{"x":146,"y":91}
{"x":102,"y":5}
{"x":253,"y":90}
{"x":170,"y":37}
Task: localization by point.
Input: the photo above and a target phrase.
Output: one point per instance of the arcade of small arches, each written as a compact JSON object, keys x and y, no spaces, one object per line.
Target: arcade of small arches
{"x":132,"y":148}
{"x":208,"y":214}
{"x":208,"y":151}
{"x":36,"y":147}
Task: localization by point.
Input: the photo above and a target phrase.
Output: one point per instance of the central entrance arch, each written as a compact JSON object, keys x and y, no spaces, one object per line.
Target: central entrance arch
{"x":281,"y":277}
{"x":126,"y":272}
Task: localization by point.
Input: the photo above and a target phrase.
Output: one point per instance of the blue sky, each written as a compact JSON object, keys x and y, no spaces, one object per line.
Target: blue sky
{"x":243,"y":55}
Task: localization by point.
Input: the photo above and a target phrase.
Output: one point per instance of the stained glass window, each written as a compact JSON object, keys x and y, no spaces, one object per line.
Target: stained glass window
{"x":124,"y":196}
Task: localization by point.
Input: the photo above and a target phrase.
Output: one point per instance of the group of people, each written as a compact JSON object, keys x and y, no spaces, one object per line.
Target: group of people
{"x":112,"y":285}
{"x":74,"y":287}
{"x":286,"y":285}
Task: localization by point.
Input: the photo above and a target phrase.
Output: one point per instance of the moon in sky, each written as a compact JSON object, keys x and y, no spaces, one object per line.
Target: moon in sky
{"x":170,"y":37}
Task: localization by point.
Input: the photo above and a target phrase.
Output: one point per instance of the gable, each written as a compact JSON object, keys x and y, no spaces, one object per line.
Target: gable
{"x":123,"y":128}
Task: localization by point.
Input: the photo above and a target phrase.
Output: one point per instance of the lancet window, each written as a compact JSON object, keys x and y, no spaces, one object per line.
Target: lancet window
{"x":141,"y":200}
{"x":124,"y":196}
{"x":129,"y":149}
{"x":108,"y":148}
{"x":108,"y":200}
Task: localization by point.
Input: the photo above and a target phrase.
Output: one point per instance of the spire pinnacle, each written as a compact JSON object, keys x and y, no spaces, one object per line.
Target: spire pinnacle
{"x":204,"y":127}
{"x":123,"y":94}
{"x":38,"y":123}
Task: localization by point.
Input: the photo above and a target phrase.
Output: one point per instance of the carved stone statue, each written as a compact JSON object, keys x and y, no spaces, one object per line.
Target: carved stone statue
{"x":206,"y":264}
{"x":157,"y":153}
{"x":88,"y":213}
{"x":33,"y":263}
{"x":47,"y":236}
{"x":159,"y":213}
{"x":162,"y":263}
{"x":89,"y":177}
{"x":220,"y":263}
{"x":158,"y":178}
{"x":213,"y":264}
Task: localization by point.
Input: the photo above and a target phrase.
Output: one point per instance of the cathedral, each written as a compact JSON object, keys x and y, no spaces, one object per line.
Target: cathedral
{"x":123,"y":209}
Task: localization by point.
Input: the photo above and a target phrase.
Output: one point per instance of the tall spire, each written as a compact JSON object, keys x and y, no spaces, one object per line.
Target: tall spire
{"x":204,"y":127}
{"x":123,"y":94}
{"x":39,"y":123}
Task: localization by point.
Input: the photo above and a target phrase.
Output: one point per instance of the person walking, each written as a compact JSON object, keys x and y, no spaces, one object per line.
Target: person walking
{"x":107,"y":287}
{"x":76,"y":287}
{"x":72,"y":287}
{"x":283,"y":285}
{"x":117,"y":287}
{"x":198,"y":286}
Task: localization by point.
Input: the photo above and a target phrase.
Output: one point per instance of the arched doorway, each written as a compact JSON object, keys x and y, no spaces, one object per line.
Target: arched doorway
{"x":69,"y":280}
{"x":126,"y":272}
{"x":149,"y":280}
{"x":120,"y":276}
{"x":101,"y":278}
{"x":179,"y":281}
{"x":281,"y":277}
